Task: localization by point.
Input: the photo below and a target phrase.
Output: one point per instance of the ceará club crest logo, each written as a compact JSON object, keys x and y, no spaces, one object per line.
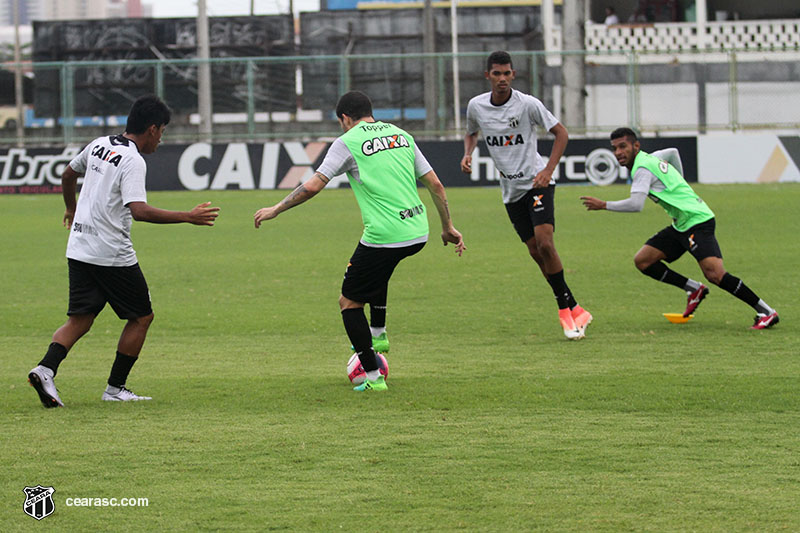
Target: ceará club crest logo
{"x":513,"y":123}
{"x":38,"y":501}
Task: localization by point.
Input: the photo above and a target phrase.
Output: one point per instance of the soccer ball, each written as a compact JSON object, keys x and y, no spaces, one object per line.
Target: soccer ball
{"x":355,"y":372}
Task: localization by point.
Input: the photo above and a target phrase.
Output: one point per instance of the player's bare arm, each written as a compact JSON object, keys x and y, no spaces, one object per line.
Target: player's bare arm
{"x":543,"y":178}
{"x":201,"y":215}
{"x":470,"y":142}
{"x":300,"y":194}
{"x":439,"y":196}
{"x":593,"y":204}
{"x":69,"y":186}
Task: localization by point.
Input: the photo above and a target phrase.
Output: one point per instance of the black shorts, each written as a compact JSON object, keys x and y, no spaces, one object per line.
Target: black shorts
{"x":124,"y":288}
{"x":367,"y":275}
{"x":699,"y":240}
{"x":535,"y":208}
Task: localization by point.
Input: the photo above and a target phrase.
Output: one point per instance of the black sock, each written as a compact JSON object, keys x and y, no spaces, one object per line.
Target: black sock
{"x":563,"y":295}
{"x":735,"y":286}
{"x":120,"y":369}
{"x":357,"y":328}
{"x":55,"y":354}
{"x":377,"y":310}
{"x":571,"y":302}
{"x":377,"y":316}
{"x":661,"y":272}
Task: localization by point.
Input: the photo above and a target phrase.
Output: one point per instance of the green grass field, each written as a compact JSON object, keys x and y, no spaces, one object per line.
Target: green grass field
{"x":493,"y":421}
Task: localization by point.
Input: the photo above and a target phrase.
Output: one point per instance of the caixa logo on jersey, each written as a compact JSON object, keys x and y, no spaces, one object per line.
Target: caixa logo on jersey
{"x":107,"y":155}
{"x":38,"y":501}
{"x":379,"y":144}
{"x":505,"y":140}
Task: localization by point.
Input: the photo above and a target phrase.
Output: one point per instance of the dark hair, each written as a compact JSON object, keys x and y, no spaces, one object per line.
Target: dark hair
{"x":147,"y":111}
{"x":624,"y":132}
{"x":355,"y":105}
{"x":501,"y":57}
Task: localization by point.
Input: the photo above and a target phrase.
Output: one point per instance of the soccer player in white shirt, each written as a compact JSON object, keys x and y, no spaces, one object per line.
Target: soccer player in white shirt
{"x":102,"y":263}
{"x":508,"y":120}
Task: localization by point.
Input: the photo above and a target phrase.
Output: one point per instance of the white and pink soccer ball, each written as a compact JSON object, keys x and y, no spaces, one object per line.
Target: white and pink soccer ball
{"x":356,"y":374}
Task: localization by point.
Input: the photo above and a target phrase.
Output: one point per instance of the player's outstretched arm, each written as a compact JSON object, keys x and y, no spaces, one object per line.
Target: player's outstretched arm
{"x":449,"y":233}
{"x":303,"y":192}
{"x":634,"y":204}
{"x":200,"y":215}
{"x":69,"y":185}
{"x":593,"y":204}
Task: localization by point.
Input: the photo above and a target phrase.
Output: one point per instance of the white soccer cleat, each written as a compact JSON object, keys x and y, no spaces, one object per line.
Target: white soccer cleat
{"x":121,"y":394}
{"x":41,"y":379}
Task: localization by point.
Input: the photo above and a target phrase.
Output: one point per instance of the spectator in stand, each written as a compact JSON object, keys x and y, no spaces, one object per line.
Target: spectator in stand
{"x":611,"y":16}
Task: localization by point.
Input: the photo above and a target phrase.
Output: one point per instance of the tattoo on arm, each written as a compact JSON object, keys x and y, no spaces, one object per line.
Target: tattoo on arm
{"x":301,"y":193}
{"x":296,"y":197}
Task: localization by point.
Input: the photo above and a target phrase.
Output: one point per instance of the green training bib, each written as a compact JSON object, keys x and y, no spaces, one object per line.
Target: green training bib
{"x":678,"y":198}
{"x":386,"y":187}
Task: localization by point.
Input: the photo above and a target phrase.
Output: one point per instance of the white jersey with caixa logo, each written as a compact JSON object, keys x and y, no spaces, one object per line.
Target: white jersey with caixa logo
{"x":509,"y":131}
{"x":113,"y":176}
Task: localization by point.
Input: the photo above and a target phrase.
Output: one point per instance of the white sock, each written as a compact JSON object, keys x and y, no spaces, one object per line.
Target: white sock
{"x":373,"y":375}
{"x":377,"y":332}
{"x":763,"y":308}
{"x":691,"y":286}
{"x":112,"y":389}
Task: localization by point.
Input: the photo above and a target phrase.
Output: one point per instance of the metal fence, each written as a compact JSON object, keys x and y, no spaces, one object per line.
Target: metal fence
{"x":292,"y":98}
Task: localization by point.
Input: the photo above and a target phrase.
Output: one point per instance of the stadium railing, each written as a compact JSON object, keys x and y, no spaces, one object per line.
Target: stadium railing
{"x":291,"y":98}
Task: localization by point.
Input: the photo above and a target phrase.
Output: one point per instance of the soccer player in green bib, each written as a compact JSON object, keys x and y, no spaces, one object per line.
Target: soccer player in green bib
{"x":383,"y":164}
{"x":660,"y":176}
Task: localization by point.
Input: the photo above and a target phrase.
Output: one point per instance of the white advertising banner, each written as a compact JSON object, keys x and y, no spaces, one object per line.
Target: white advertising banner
{"x":743,"y":158}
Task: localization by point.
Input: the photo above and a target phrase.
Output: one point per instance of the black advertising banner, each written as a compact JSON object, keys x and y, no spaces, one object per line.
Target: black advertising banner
{"x":585,"y":161}
{"x":33,"y":170}
{"x":273,"y":165}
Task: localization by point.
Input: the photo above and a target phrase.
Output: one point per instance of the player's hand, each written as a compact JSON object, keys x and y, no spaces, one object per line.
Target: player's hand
{"x":265,"y":213}
{"x":593,"y":204}
{"x":542,"y":179}
{"x":69,"y":216}
{"x":203,"y":215}
{"x":466,"y":164}
{"x":453,"y":235}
